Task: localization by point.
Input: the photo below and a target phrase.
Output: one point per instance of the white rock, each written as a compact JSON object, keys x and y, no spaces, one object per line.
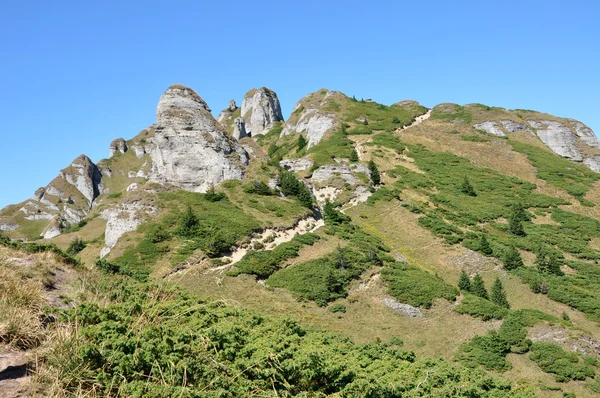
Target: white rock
{"x":296,"y":165}
{"x":513,"y":127}
{"x":11,"y":226}
{"x":239,"y":128}
{"x":586,"y":135}
{"x":260,"y":110}
{"x":84,"y":175}
{"x":405,"y":309}
{"x":132,"y":187}
{"x":491,"y":128}
{"x":117,"y":145}
{"x":313,"y":123}
{"x":138,"y":150}
{"x":120,"y":220}
{"x":189,"y":148}
{"x":559,"y":138}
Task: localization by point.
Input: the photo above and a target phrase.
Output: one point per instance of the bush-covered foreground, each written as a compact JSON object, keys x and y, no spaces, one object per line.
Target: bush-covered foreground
{"x":153,"y":340}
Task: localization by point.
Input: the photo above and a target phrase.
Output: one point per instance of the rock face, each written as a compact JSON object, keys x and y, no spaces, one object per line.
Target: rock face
{"x":117,"y":145}
{"x":296,"y":165}
{"x":120,"y":220}
{"x":231,"y":106}
{"x":491,"y":128}
{"x":402,"y":308}
{"x":309,"y":116}
{"x":190,"y":149}
{"x":261,"y":110}
{"x":557,"y":137}
{"x":239,"y":128}
{"x":513,"y":127}
{"x":84,"y":175}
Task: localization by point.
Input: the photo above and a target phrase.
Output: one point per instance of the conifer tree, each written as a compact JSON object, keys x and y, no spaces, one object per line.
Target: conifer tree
{"x":301,"y":142}
{"x":188,"y":224}
{"x":467,"y":188}
{"x":375,"y":177}
{"x":484,"y":246}
{"x":512,"y":259}
{"x":547,"y":262}
{"x":354,"y":156}
{"x":497,"y":294}
{"x":464,"y":283}
{"x":515,"y":220}
{"x":478,"y":287}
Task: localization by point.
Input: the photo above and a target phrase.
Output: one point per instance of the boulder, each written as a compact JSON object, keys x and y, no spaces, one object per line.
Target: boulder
{"x":260,"y":110}
{"x":296,"y":165}
{"x":189,"y":148}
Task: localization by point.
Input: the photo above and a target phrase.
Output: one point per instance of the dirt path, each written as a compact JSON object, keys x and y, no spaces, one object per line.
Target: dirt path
{"x":418,"y":120}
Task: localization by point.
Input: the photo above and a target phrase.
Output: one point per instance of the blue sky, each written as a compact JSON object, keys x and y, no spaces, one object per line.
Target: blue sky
{"x":75,"y":75}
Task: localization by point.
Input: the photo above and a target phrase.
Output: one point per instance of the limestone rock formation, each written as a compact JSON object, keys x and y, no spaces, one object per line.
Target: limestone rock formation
{"x":260,"y":110}
{"x":239,"y":128}
{"x":189,"y":148}
{"x":491,"y":128}
{"x":120,"y":220}
{"x":310,"y":116}
{"x":513,"y":127}
{"x":296,"y":165}
{"x":231,"y":106}
{"x":84,"y":175}
{"x":118,"y":144}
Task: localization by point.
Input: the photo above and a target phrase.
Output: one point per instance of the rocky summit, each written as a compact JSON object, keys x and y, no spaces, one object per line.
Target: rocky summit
{"x":353,"y":249}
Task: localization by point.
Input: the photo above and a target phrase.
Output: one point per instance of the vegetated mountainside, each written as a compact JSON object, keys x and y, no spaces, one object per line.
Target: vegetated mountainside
{"x":356,"y":249}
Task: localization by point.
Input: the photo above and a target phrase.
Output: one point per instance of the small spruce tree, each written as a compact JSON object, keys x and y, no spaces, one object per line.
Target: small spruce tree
{"x":354,"y":156}
{"x":497,"y":294}
{"x":464,"y":283}
{"x":516,"y":218}
{"x":304,"y":196}
{"x":478,"y":287}
{"x":375,"y":177}
{"x":188,"y":223}
{"x":301,"y":142}
{"x":467,"y":188}
{"x":484,"y":246}
{"x":512,"y":259}
{"x":547,"y":262}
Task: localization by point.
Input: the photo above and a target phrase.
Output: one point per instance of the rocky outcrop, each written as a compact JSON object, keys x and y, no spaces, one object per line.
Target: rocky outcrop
{"x":311,"y":117}
{"x":513,"y":127}
{"x":8,"y":225}
{"x":120,"y":220}
{"x":586,"y":135}
{"x":189,"y":148}
{"x":239,"y":128}
{"x":119,"y":145}
{"x":260,"y":110}
{"x":53,"y":229}
{"x":345,"y":172}
{"x":557,"y":137}
{"x":296,"y":165}
{"x":402,"y":308}
{"x":490,"y":128}
{"x":84,"y":175}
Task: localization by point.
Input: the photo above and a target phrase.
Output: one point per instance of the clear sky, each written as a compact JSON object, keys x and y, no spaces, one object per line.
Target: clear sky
{"x":77,"y":74}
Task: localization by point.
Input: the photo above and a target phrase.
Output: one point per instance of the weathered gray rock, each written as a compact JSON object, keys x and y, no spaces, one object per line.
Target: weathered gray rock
{"x":84,"y":175}
{"x":346,"y":173}
{"x":261,"y":110}
{"x":138,"y":150}
{"x":402,"y":308}
{"x":8,"y":226}
{"x":231,"y":106}
{"x":239,"y":128}
{"x":120,"y":220}
{"x":314,"y":124}
{"x":586,"y":134}
{"x":189,"y":148}
{"x":558,"y":137}
{"x":296,"y":165}
{"x":53,"y":229}
{"x":491,"y":128}
{"x":513,"y":127}
{"x":118,"y":144}
{"x":593,"y":163}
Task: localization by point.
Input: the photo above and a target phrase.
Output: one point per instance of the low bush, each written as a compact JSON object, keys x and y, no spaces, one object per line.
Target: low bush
{"x":551,"y":358}
{"x":480,"y":308}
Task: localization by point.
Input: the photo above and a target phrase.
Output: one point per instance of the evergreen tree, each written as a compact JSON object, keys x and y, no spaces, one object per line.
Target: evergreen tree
{"x":478,"y":287}
{"x":375,"y":177}
{"x":301,"y":142}
{"x":290,"y":185}
{"x":354,"y":156}
{"x":464,"y":283}
{"x":304,"y":196}
{"x":484,"y":246}
{"x":512,"y":259}
{"x":467,"y":188}
{"x":497,"y":294}
{"x":188,"y":223}
{"x":332,"y":215}
{"x":547,"y":262}
{"x":516,"y":218}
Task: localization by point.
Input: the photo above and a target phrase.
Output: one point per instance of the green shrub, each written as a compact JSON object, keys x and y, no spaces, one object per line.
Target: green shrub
{"x":480,"y":308}
{"x":411,"y":285}
{"x":75,"y":246}
{"x":337,"y":308}
{"x":564,"y":365}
